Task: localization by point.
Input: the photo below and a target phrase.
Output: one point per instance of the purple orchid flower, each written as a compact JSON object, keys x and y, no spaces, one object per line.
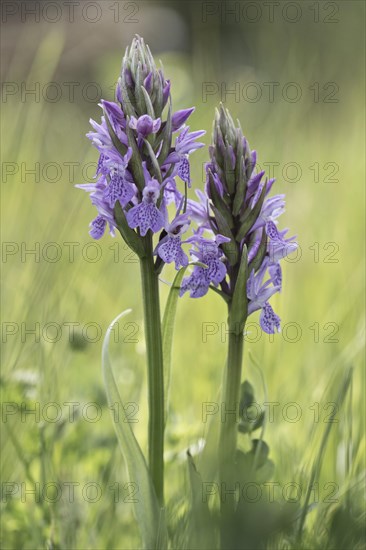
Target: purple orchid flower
{"x":185,"y":144}
{"x":279,"y":247}
{"x":199,"y":210}
{"x":259,"y":293}
{"x":209,"y":253}
{"x":172,"y":193}
{"x":119,"y":188}
{"x":147,"y":215}
{"x":229,"y":205}
{"x":105,"y":212}
{"x":101,"y":138}
{"x":169,"y":249}
{"x":269,"y":321}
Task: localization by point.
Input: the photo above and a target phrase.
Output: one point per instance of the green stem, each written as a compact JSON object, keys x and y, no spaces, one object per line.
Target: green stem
{"x":228,"y":433}
{"x":154,"y":351}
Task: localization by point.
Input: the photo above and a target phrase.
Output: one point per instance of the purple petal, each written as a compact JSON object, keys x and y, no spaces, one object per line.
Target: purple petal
{"x":170,"y":250}
{"x":197,"y":284}
{"x":216,"y":271}
{"x":118,"y":190}
{"x":272,"y":231}
{"x":269,"y":321}
{"x":145,"y":216}
{"x":180,"y":117}
{"x":166,"y":92}
{"x":184,"y":171}
{"x":275,"y":272}
{"x":148,"y":83}
{"x":98,"y":226}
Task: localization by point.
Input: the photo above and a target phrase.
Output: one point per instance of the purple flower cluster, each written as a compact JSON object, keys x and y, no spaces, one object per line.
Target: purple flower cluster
{"x":209,"y":253}
{"x":236,"y":210}
{"x":144,"y":157}
{"x":141,"y":155}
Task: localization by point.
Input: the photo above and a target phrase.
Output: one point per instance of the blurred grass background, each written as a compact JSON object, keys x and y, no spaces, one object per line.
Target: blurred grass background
{"x":317,"y":290}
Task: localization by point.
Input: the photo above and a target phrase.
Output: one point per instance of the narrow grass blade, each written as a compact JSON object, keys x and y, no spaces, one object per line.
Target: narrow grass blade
{"x":168,"y":330}
{"x":319,"y":459}
{"x":148,"y":514}
{"x":200,"y":533}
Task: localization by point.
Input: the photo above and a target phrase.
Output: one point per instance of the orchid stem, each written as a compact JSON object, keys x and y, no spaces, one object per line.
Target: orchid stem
{"x":154,"y":351}
{"x":228,"y":433}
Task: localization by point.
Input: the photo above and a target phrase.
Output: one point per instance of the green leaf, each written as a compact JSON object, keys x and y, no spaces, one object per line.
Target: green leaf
{"x":250,"y":420}
{"x":121,"y":148}
{"x":261,"y":252}
{"x":130,"y":236}
{"x":223,"y":295}
{"x":249,"y":166}
{"x":135,"y":162}
{"x":219,"y":202}
{"x":231,"y":248}
{"x":168,"y":328}
{"x":249,"y":469}
{"x":166,"y":136}
{"x":154,"y":162}
{"x":168,"y":331}
{"x":229,"y":172}
{"x":241,"y":187}
{"x":138,"y":90}
{"x":150,"y":517}
{"x":149,"y":106}
{"x":317,"y":464}
{"x":239,"y":303}
{"x":200,"y":531}
{"x":128,"y":103}
{"x":251,"y":215}
{"x":158,"y":94}
{"x":208,"y":458}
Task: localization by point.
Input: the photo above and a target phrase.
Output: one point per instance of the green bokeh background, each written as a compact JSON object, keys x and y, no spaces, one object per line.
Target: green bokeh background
{"x":318,"y":145}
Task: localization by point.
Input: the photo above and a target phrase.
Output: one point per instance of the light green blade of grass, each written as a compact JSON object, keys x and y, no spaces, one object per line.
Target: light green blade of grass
{"x":150,"y":517}
{"x":323,"y":444}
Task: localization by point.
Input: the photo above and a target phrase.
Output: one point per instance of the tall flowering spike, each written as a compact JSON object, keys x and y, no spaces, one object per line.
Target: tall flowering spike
{"x":235,"y":205}
{"x":144,"y":151}
{"x":142,"y":87}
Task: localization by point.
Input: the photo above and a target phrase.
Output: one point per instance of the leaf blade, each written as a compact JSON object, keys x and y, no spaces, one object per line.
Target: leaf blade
{"x":168,"y":330}
{"x":148,"y":514}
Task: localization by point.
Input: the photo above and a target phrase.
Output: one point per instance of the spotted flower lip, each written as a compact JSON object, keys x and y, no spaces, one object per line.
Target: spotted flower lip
{"x":97,"y":227}
{"x":268,"y":320}
{"x":169,"y":248}
{"x":197,"y":284}
{"x":147,"y":214}
{"x":118,"y":190}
